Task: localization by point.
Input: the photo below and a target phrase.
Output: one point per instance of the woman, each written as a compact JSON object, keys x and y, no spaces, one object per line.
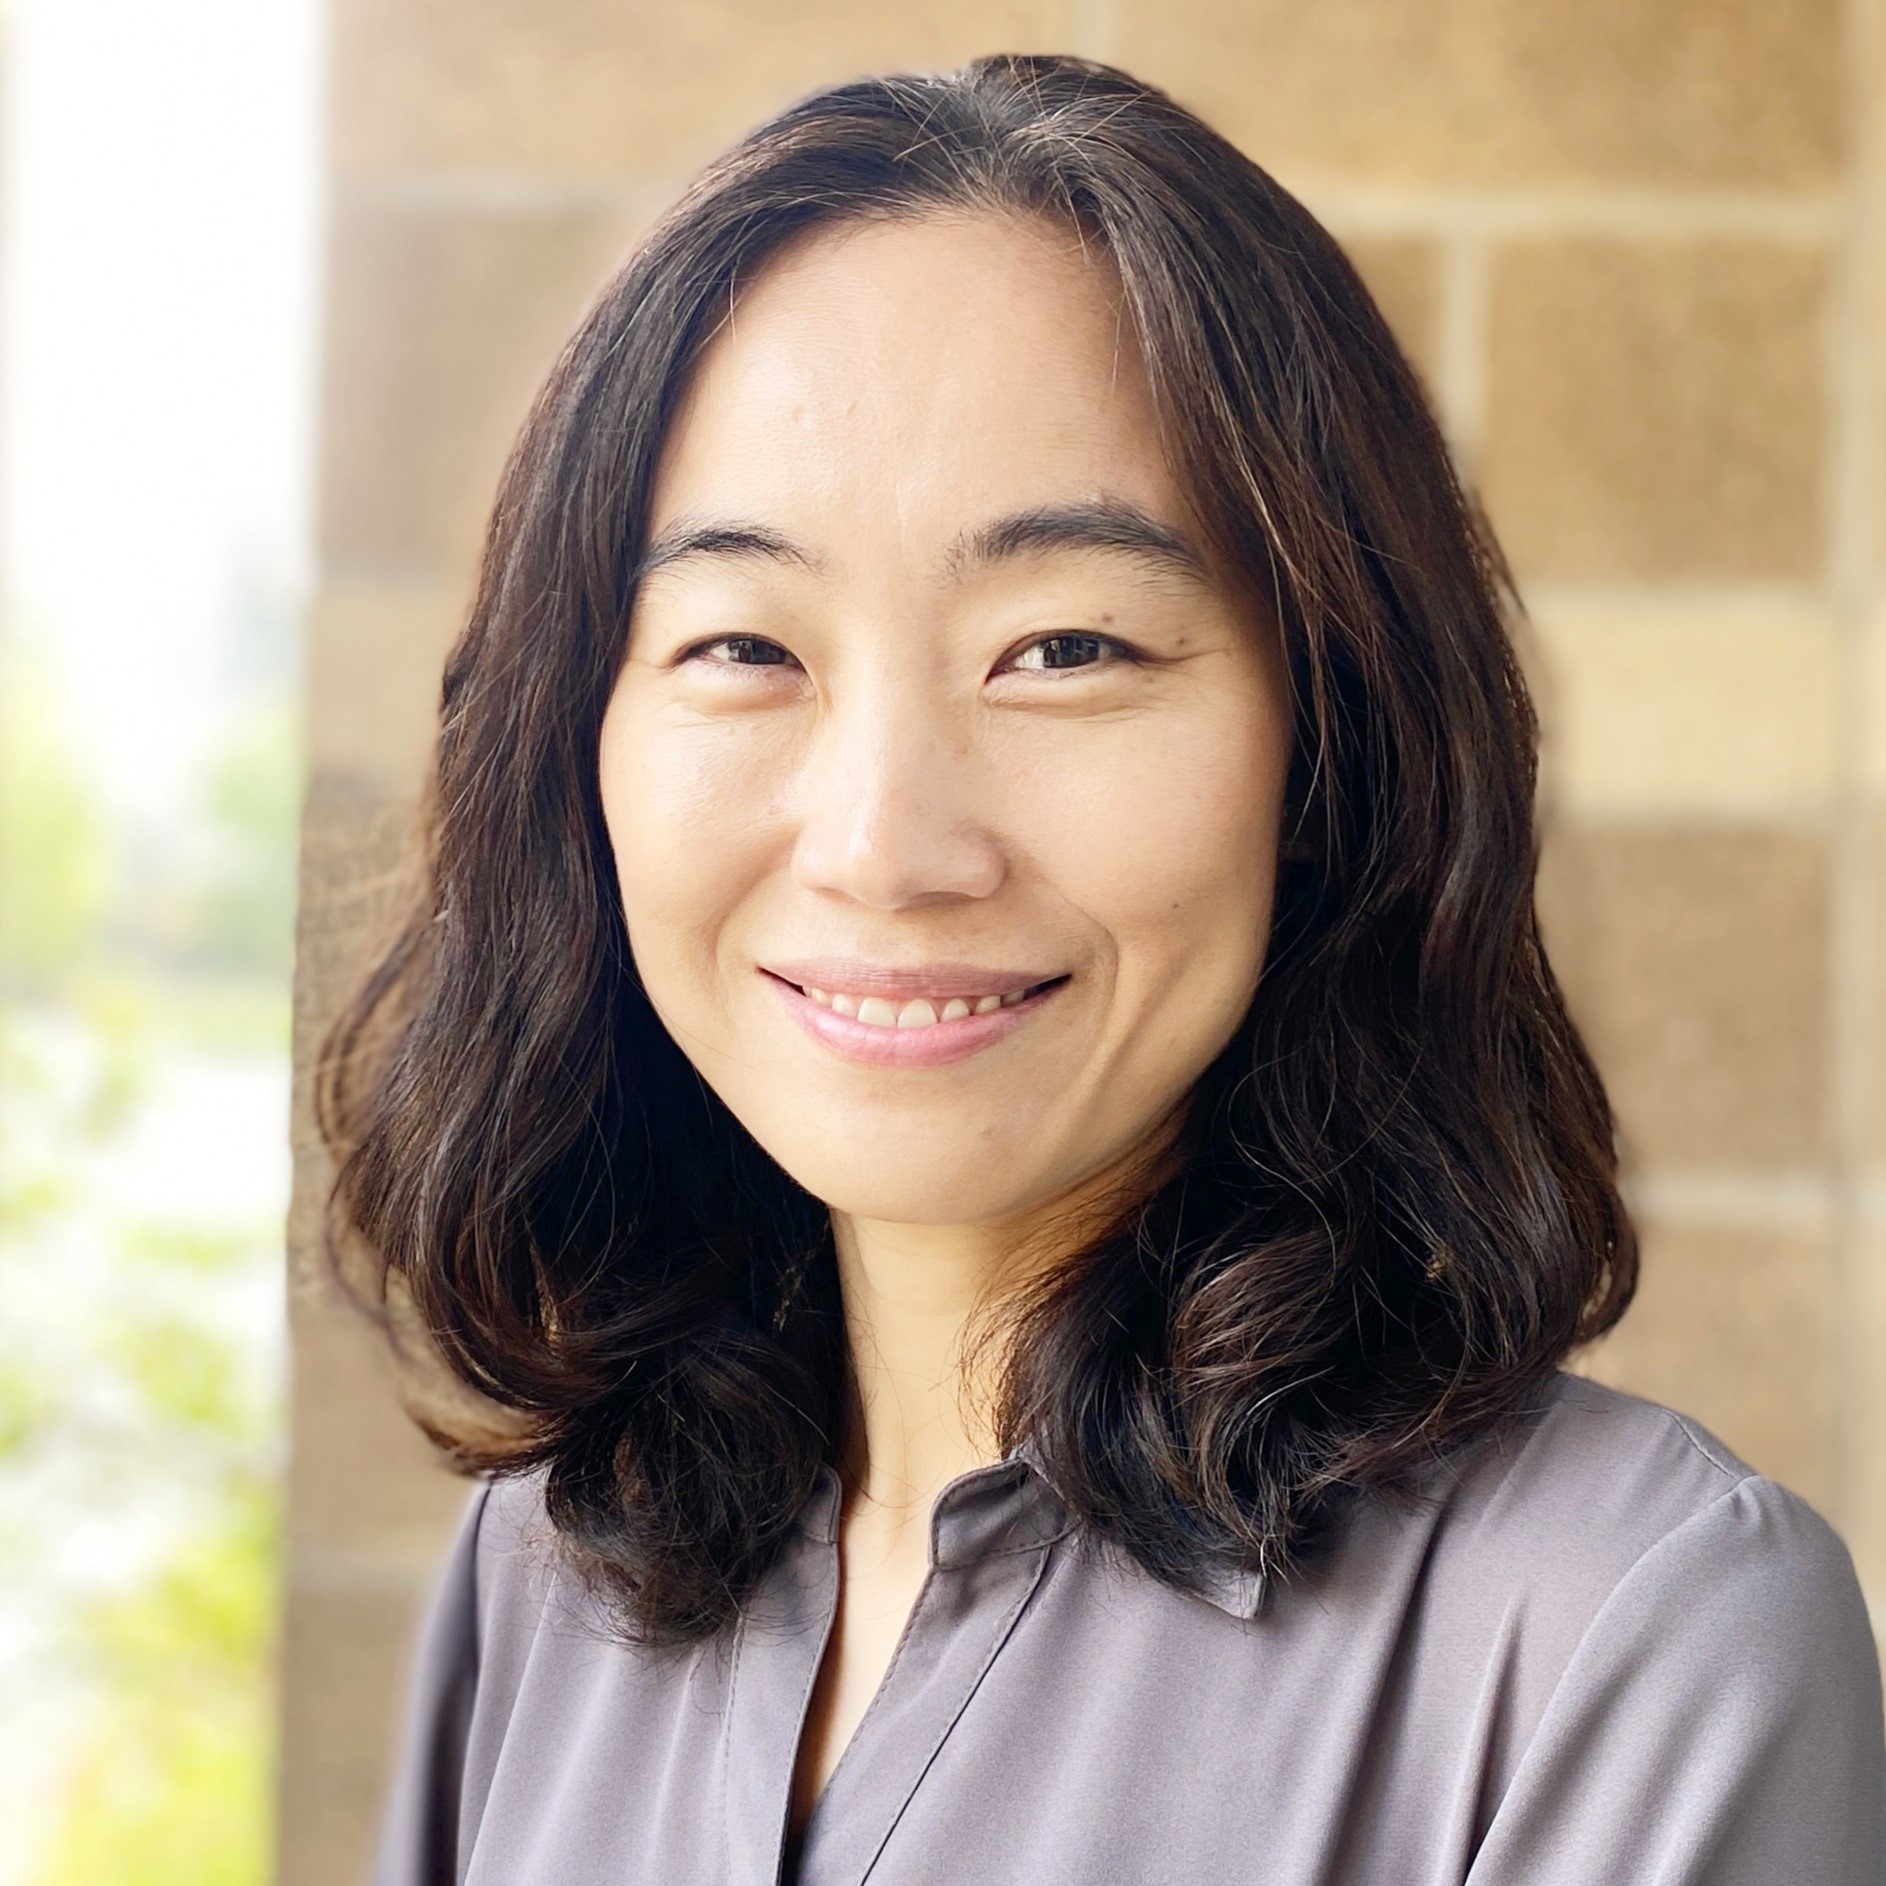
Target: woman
{"x":976,"y":1072}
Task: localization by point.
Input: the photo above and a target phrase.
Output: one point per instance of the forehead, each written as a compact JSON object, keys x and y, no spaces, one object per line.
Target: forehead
{"x":906,"y":376}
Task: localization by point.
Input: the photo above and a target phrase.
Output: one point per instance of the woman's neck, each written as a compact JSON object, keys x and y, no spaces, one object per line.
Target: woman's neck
{"x":927,"y":1375}
{"x":923,"y":1417}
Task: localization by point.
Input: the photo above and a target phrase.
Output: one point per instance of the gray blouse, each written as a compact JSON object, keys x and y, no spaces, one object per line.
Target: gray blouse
{"x":1600,"y":1651}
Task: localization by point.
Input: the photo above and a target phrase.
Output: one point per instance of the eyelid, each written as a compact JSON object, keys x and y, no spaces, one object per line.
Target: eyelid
{"x":692,"y":649}
{"x":1123,"y":651}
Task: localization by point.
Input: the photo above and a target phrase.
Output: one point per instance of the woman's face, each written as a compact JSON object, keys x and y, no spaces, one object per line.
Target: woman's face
{"x":944,"y":771}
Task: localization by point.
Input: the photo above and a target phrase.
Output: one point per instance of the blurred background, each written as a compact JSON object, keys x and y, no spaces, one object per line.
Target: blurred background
{"x":159,"y":242}
{"x":277,"y":278}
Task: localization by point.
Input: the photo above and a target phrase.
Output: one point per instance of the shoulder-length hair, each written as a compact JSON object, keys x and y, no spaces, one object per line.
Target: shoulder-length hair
{"x":1396,"y":1211}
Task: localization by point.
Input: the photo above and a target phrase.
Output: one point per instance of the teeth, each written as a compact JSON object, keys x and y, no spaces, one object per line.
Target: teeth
{"x":920,"y":1012}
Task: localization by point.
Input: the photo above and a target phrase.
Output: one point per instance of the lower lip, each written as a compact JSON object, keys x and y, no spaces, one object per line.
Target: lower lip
{"x":875,"y":1046}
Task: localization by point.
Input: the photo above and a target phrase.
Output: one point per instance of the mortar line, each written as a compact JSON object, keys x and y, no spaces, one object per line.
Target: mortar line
{"x":1683,"y":596}
{"x":1798,"y":1201}
{"x":1806,"y":216}
{"x":1803,"y":815}
{"x":1811,"y":216}
{"x":1461,"y":369}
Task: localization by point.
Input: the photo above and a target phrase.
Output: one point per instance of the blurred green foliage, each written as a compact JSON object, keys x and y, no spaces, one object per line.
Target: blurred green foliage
{"x":173,"y":1788}
{"x":54,"y":859}
{"x":203,"y":910}
{"x":243,"y":915}
{"x":117,"y":957}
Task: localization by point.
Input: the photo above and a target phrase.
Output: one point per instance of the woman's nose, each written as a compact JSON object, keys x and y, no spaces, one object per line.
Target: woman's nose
{"x":892,"y":811}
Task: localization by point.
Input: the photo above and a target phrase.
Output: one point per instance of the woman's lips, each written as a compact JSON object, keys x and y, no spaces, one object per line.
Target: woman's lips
{"x":934,"y":1045}
{"x":859,"y":977}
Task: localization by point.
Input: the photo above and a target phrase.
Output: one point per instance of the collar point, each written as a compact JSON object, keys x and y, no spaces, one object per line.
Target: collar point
{"x":1238,"y":1592}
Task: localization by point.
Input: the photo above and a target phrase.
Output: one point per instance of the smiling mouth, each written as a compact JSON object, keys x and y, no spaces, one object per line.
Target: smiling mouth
{"x":918,"y":1011}
{"x":887,"y":1000}
{"x":908,"y":1029}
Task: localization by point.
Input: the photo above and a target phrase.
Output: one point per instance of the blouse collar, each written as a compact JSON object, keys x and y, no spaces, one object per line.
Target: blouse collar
{"x":1010,"y":1505}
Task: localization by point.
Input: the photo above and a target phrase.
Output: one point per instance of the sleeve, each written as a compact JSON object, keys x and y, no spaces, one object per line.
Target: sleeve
{"x":1719,"y":1724}
{"x":420,"y":1827}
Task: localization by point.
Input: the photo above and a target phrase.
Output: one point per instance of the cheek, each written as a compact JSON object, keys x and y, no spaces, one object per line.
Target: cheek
{"x":1171,"y":845}
{"x":680,"y":805}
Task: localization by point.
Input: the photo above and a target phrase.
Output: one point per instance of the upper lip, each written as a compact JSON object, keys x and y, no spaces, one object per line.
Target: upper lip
{"x":850,"y":976}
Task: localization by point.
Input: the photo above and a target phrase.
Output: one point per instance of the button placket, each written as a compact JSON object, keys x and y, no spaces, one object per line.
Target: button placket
{"x":991,"y":1539}
{"x":778,"y":1646}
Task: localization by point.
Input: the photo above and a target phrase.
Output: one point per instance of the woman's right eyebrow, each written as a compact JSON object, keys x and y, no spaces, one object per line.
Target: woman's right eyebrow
{"x":688,"y":538}
{"x":1111,"y":524}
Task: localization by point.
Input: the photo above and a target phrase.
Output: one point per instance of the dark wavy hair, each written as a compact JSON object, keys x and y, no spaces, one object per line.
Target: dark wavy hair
{"x":1395,"y":1208}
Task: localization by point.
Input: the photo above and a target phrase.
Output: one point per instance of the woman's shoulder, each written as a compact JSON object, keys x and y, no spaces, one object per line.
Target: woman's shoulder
{"x":506,"y":1569}
{"x":1682,"y":1643}
{"x":1594,"y":1472}
{"x":1596,"y":1499}
{"x":1594,"y":1462}
{"x":511,"y":1524}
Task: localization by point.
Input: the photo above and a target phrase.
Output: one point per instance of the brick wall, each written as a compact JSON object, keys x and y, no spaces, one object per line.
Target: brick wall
{"x":1638,"y":247}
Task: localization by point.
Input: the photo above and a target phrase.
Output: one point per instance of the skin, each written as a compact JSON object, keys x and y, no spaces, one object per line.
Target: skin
{"x":1069,"y":758}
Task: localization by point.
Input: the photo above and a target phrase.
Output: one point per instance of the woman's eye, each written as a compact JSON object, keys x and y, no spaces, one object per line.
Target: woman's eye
{"x":1072,"y":649}
{"x":744,"y":651}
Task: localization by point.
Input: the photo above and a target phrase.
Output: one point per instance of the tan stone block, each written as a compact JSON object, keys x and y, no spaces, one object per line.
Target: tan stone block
{"x":356,"y":857}
{"x":1403,"y":274}
{"x":598,"y":88}
{"x":360,"y":860}
{"x":346,"y":1657}
{"x":363,"y":1483}
{"x":376,"y":654}
{"x":365,"y":1486}
{"x":442,"y":323}
{"x":1695,"y":961}
{"x":1734,"y":1326}
{"x":1667,"y":708}
{"x":1507,"y":93}
{"x":1654,"y":409}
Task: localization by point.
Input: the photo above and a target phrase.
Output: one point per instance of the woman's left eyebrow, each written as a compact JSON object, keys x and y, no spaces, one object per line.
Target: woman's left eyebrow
{"x":1102,"y":524}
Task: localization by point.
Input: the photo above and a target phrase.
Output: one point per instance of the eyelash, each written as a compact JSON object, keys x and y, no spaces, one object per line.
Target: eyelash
{"x":699,"y":649}
{"x":1121,"y":651}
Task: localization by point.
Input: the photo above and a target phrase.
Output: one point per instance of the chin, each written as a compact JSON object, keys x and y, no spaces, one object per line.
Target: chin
{"x":944,"y":1194}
